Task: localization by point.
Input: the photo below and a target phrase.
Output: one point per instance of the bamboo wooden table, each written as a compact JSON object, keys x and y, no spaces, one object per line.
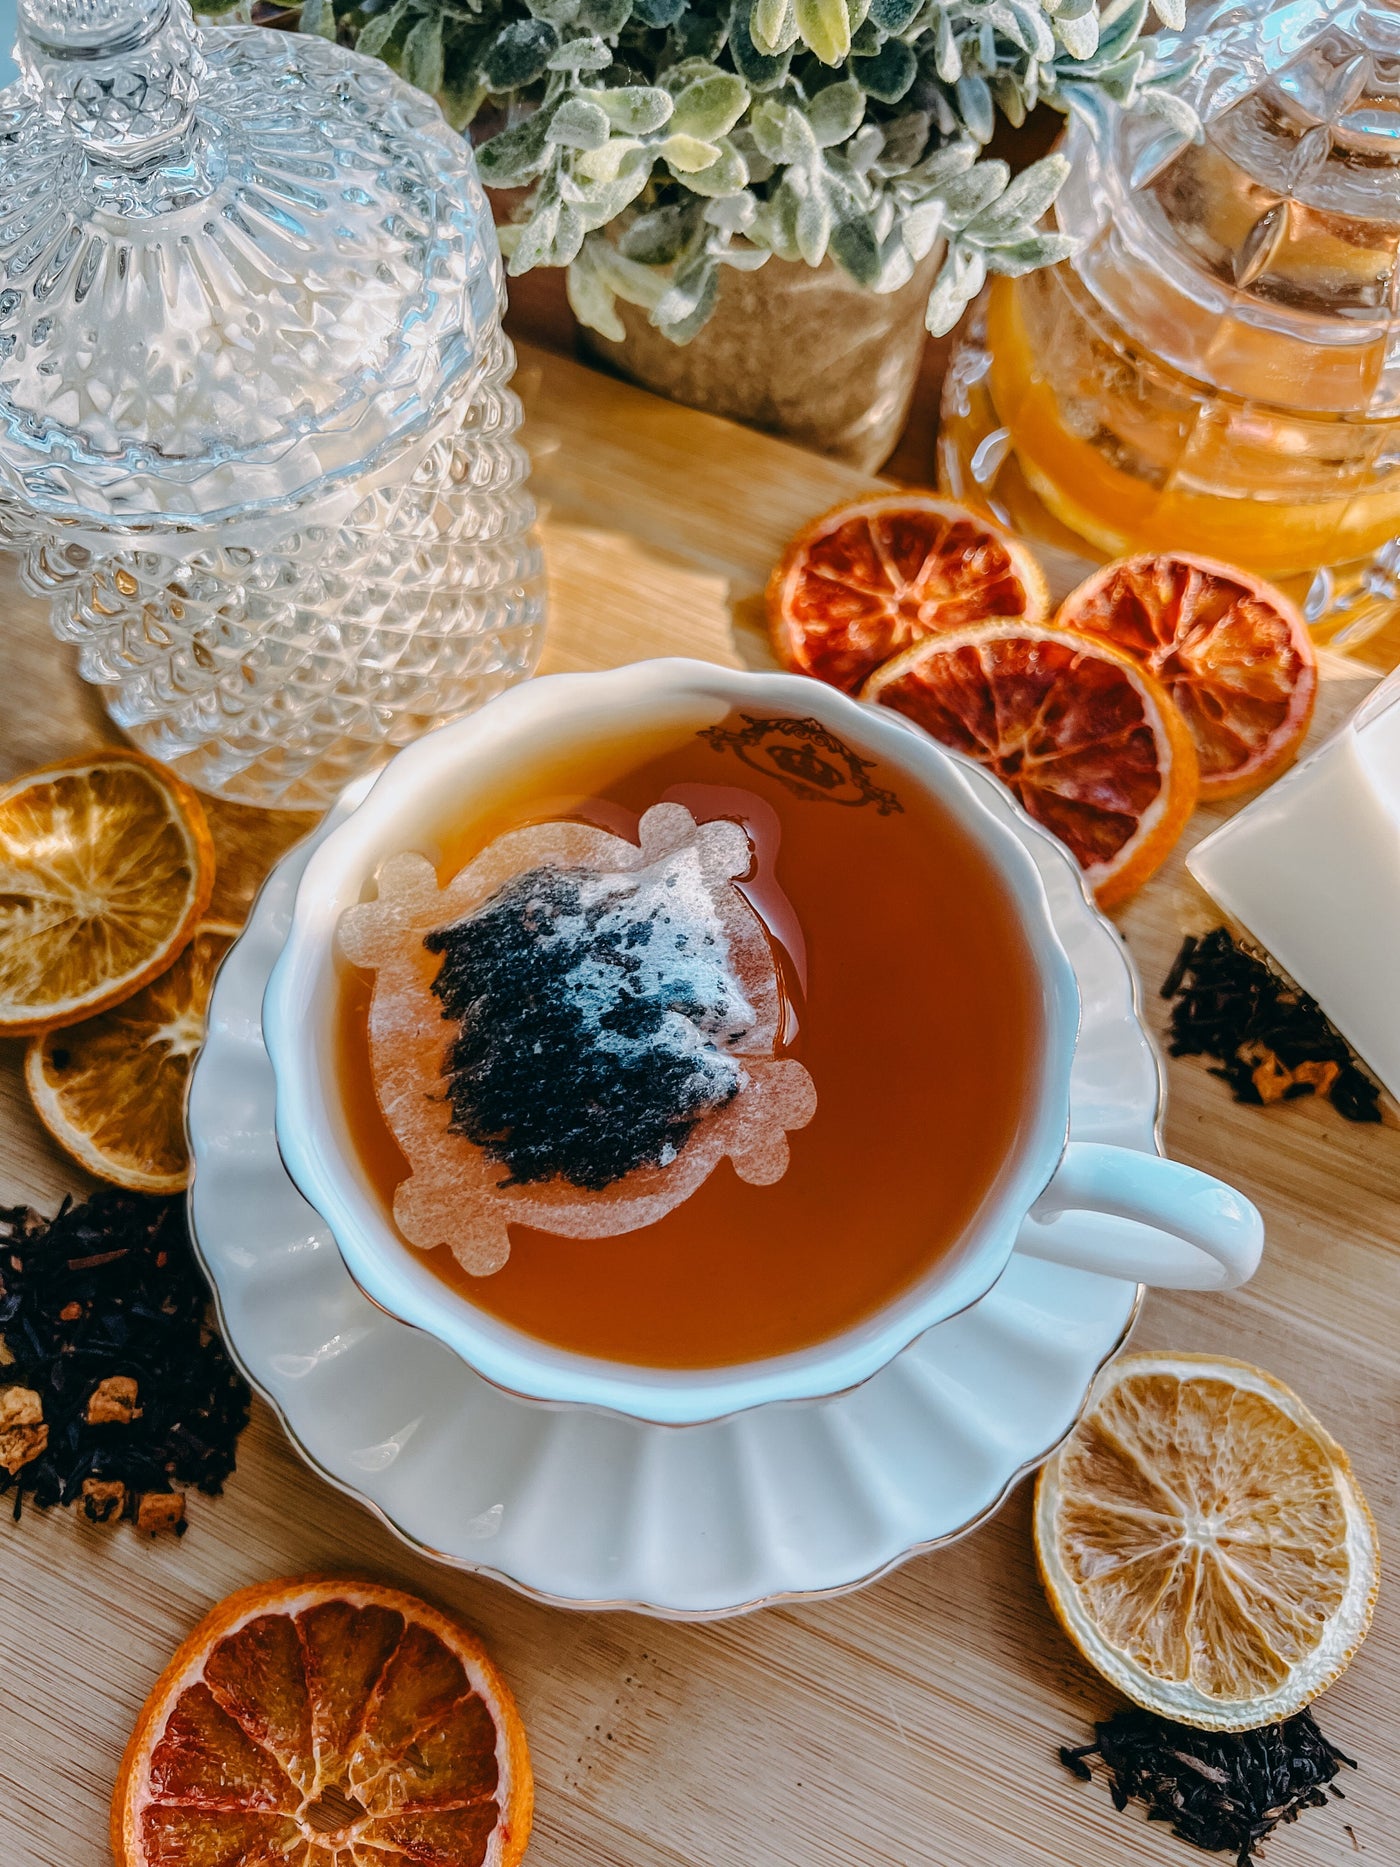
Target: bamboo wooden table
{"x":914,"y":1724}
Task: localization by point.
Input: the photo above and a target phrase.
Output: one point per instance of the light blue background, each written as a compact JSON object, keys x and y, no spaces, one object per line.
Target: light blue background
{"x":8,"y":74}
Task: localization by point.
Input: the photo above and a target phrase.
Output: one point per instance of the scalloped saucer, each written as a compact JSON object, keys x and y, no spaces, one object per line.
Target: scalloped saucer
{"x":590,"y":1510}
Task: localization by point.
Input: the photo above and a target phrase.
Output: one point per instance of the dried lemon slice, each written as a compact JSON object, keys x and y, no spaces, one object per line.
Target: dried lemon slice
{"x":1204,"y":1543}
{"x":111,"y":1090}
{"x":106,"y":868}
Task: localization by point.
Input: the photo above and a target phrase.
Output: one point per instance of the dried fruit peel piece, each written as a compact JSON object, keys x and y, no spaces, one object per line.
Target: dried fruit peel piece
{"x":454,"y":1195}
{"x":1204,"y":1543}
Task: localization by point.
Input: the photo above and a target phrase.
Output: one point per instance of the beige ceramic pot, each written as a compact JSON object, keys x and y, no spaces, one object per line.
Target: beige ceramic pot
{"x":797,"y":351}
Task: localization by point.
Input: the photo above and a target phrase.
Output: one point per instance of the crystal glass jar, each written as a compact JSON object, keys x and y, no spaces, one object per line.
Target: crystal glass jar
{"x":256,"y":435}
{"x":1218,"y":367}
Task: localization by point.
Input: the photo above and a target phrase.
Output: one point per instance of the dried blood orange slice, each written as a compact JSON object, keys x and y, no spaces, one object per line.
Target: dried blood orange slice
{"x":1078,"y":731}
{"x":871,"y":578}
{"x":1231,"y":650}
{"x":321,"y":1722}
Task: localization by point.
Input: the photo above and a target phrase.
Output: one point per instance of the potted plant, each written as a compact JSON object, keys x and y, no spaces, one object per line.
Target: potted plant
{"x":762,"y":203}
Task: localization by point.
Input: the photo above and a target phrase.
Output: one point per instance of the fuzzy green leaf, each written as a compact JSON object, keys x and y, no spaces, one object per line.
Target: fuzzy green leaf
{"x":700,"y":35}
{"x":894,"y":15}
{"x":773,"y":24}
{"x":890,"y":73}
{"x":579,"y":124}
{"x":689,"y":302}
{"x":974,"y":99}
{"x":519,"y":54}
{"x":959,"y":280}
{"x":600,"y":203}
{"x":835,"y":113}
{"x":711,"y":107}
{"x":587,"y":53}
{"x":855,"y":248}
{"x":921,"y":227}
{"x":517,"y":155}
{"x":947,"y":59}
{"x":638,"y":284}
{"x":422,"y":54}
{"x":965,"y":196}
{"x":1119,"y":28}
{"x":600,"y":167}
{"x":687,"y":155}
{"x":551,"y":236}
{"x":318,"y":17}
{"x":592,"y":301}
{"x":657,"y":238}
{"x":1029,"y":255}
{"x":726,"y":175}
{"x":825,"y":26}
{"x":812,"y":226}
{"x":636,"y":109}
{"x":381,"y":29}
{"x":1021,"y":205}
{"x":1079,"y":37}
{"x":1174,"y":111}
{"x":761,"y":71}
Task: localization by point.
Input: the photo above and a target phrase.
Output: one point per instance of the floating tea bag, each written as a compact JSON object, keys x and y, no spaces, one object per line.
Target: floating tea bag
{"x":574,"y":1032}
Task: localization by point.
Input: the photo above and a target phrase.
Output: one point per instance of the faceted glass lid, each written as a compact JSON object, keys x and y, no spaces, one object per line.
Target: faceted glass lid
{"x":236,"y":263}
{"x":1281,"y":219}
{"x":1294,"y":190}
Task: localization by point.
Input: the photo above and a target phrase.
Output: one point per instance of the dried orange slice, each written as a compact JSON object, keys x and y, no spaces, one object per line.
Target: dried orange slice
{"x":1231,"y":650}
{"x":111,"y":1090}
{"x":320,"y":1722}
{"x":106,"y":868}
{"x":875,"y":576}
{"x":1078,"y":731}
{"x":1204,"y":1542}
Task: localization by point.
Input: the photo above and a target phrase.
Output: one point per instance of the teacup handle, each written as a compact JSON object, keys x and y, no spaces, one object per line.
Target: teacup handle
{"x":1148,"y":1220}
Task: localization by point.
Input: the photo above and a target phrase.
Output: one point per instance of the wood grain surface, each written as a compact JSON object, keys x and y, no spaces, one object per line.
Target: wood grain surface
{"x":914,"y":1724}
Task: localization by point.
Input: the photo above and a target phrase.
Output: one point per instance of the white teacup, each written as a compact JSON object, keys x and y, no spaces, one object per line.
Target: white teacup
{"x":1160,"y":1222}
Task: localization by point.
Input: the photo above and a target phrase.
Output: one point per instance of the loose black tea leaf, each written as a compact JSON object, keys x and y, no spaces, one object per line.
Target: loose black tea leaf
{"x":115,"y":1388}
{"x":1224,"y":1791}
{"x":1270,"y":1041}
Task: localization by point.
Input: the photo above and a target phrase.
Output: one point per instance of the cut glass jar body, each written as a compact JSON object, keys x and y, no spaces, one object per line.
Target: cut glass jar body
{"x":256,"y":435}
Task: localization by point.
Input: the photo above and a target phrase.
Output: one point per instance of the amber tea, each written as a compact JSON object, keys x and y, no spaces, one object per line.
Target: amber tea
{"x":691,"y":1049}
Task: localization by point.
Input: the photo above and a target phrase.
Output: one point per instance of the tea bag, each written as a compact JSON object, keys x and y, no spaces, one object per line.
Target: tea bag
{"x":574,"y":1032}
